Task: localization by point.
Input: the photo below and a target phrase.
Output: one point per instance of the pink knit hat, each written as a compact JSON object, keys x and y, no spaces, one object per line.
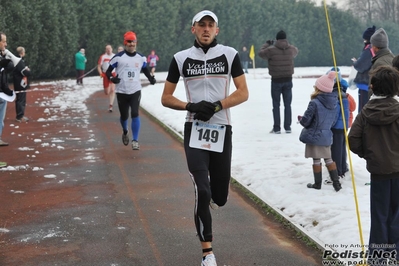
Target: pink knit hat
{"x":326,"y":82}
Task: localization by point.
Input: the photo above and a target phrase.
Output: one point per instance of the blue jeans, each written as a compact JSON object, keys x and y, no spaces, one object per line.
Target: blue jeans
{"x":245,"y":66}
{"x":3,"y":108}
{"x":284,"y":88}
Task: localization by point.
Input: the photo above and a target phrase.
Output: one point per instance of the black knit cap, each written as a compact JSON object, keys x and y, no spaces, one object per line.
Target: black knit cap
{"x":368,"y":33}
{"x":281,"y":35}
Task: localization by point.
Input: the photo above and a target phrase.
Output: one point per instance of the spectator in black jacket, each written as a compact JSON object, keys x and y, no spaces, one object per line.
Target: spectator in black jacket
{"x":21,"y":83}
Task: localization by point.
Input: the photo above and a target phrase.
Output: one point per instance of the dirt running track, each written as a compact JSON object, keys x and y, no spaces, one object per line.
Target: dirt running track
{"x":74,"y":195}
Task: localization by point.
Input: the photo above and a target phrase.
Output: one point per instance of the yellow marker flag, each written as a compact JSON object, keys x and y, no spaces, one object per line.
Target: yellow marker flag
{"x":252,"y":53}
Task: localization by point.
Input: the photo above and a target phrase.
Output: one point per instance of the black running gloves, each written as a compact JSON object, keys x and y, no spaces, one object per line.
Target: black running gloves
{"x":152,"y":80}
{"x":115,"y":80}
{"x":204,"y":110}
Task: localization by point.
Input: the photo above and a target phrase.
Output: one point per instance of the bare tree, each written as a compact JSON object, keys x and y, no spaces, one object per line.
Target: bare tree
{"x":373,"y":10}
{"x":362,"y":8}
{"x":387,"y":10}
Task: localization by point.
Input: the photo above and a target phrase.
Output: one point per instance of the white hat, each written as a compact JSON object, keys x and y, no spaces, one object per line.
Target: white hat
{"x":204,"y":13}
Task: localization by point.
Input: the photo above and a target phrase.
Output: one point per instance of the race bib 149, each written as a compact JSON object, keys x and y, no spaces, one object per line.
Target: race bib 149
{"x":207,"y":136}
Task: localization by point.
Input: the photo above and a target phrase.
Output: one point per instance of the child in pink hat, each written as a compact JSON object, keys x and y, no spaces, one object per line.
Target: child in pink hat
{"x":317,"y":121}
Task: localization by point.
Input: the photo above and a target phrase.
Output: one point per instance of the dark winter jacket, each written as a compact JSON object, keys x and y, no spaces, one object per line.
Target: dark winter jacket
{"x":318,"y":119}
{"x":374,"y":136}
{"x":21,"y":76}
{"x":6,"y":66}
{"x":244,"y":56}
{"x":383,"y":57}
{"x":363,"y":65}
{"x":280,"y":57}
{"x":339,"y":124}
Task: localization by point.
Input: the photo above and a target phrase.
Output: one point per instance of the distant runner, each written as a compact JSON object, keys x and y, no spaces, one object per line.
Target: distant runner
{"x":128,"y":64}
{"x":102,"y":66}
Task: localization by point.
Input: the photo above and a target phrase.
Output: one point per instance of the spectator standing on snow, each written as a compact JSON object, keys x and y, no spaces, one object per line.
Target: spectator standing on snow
{"x":208,"y":105}
{"x":363,"y":66}
{"x":374,"y":136}
{"x":382,"y":55}
{"x":317,"y":121}
{"x":280,"y":55}
{"x":338,"y":146}
{"x":245,"y":59}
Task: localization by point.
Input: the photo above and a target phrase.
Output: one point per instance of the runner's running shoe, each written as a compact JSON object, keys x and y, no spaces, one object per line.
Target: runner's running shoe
{"x":125,"y":138}
{"x":209,"y":260}
{"x":135,"y":145}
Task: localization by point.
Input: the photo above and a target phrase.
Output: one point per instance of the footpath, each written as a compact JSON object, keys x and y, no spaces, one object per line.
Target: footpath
{"x":73,"y":194}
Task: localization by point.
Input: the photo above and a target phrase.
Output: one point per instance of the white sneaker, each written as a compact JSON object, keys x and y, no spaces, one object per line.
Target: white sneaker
{"x":209,"y":260}
{"x":3,"y":143}
{"x":135,"y":145}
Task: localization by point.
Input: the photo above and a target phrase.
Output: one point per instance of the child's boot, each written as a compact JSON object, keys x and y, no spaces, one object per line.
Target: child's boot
{"x":317,"y":177}
{"x":332,"y":169}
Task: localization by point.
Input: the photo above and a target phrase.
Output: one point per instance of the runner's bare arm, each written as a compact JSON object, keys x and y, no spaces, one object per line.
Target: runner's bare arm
{"x":168,"y":100}
{"x":240,"y":95}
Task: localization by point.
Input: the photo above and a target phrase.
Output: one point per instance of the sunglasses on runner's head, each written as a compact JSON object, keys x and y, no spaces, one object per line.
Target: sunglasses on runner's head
{"x":129,"y":41}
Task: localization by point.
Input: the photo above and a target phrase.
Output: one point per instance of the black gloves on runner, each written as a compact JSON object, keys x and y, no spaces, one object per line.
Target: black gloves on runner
{"x":204,"y":110}
{"x":115,"y":80}
{"x":152,"y":80}
{"x":218,"y":106}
